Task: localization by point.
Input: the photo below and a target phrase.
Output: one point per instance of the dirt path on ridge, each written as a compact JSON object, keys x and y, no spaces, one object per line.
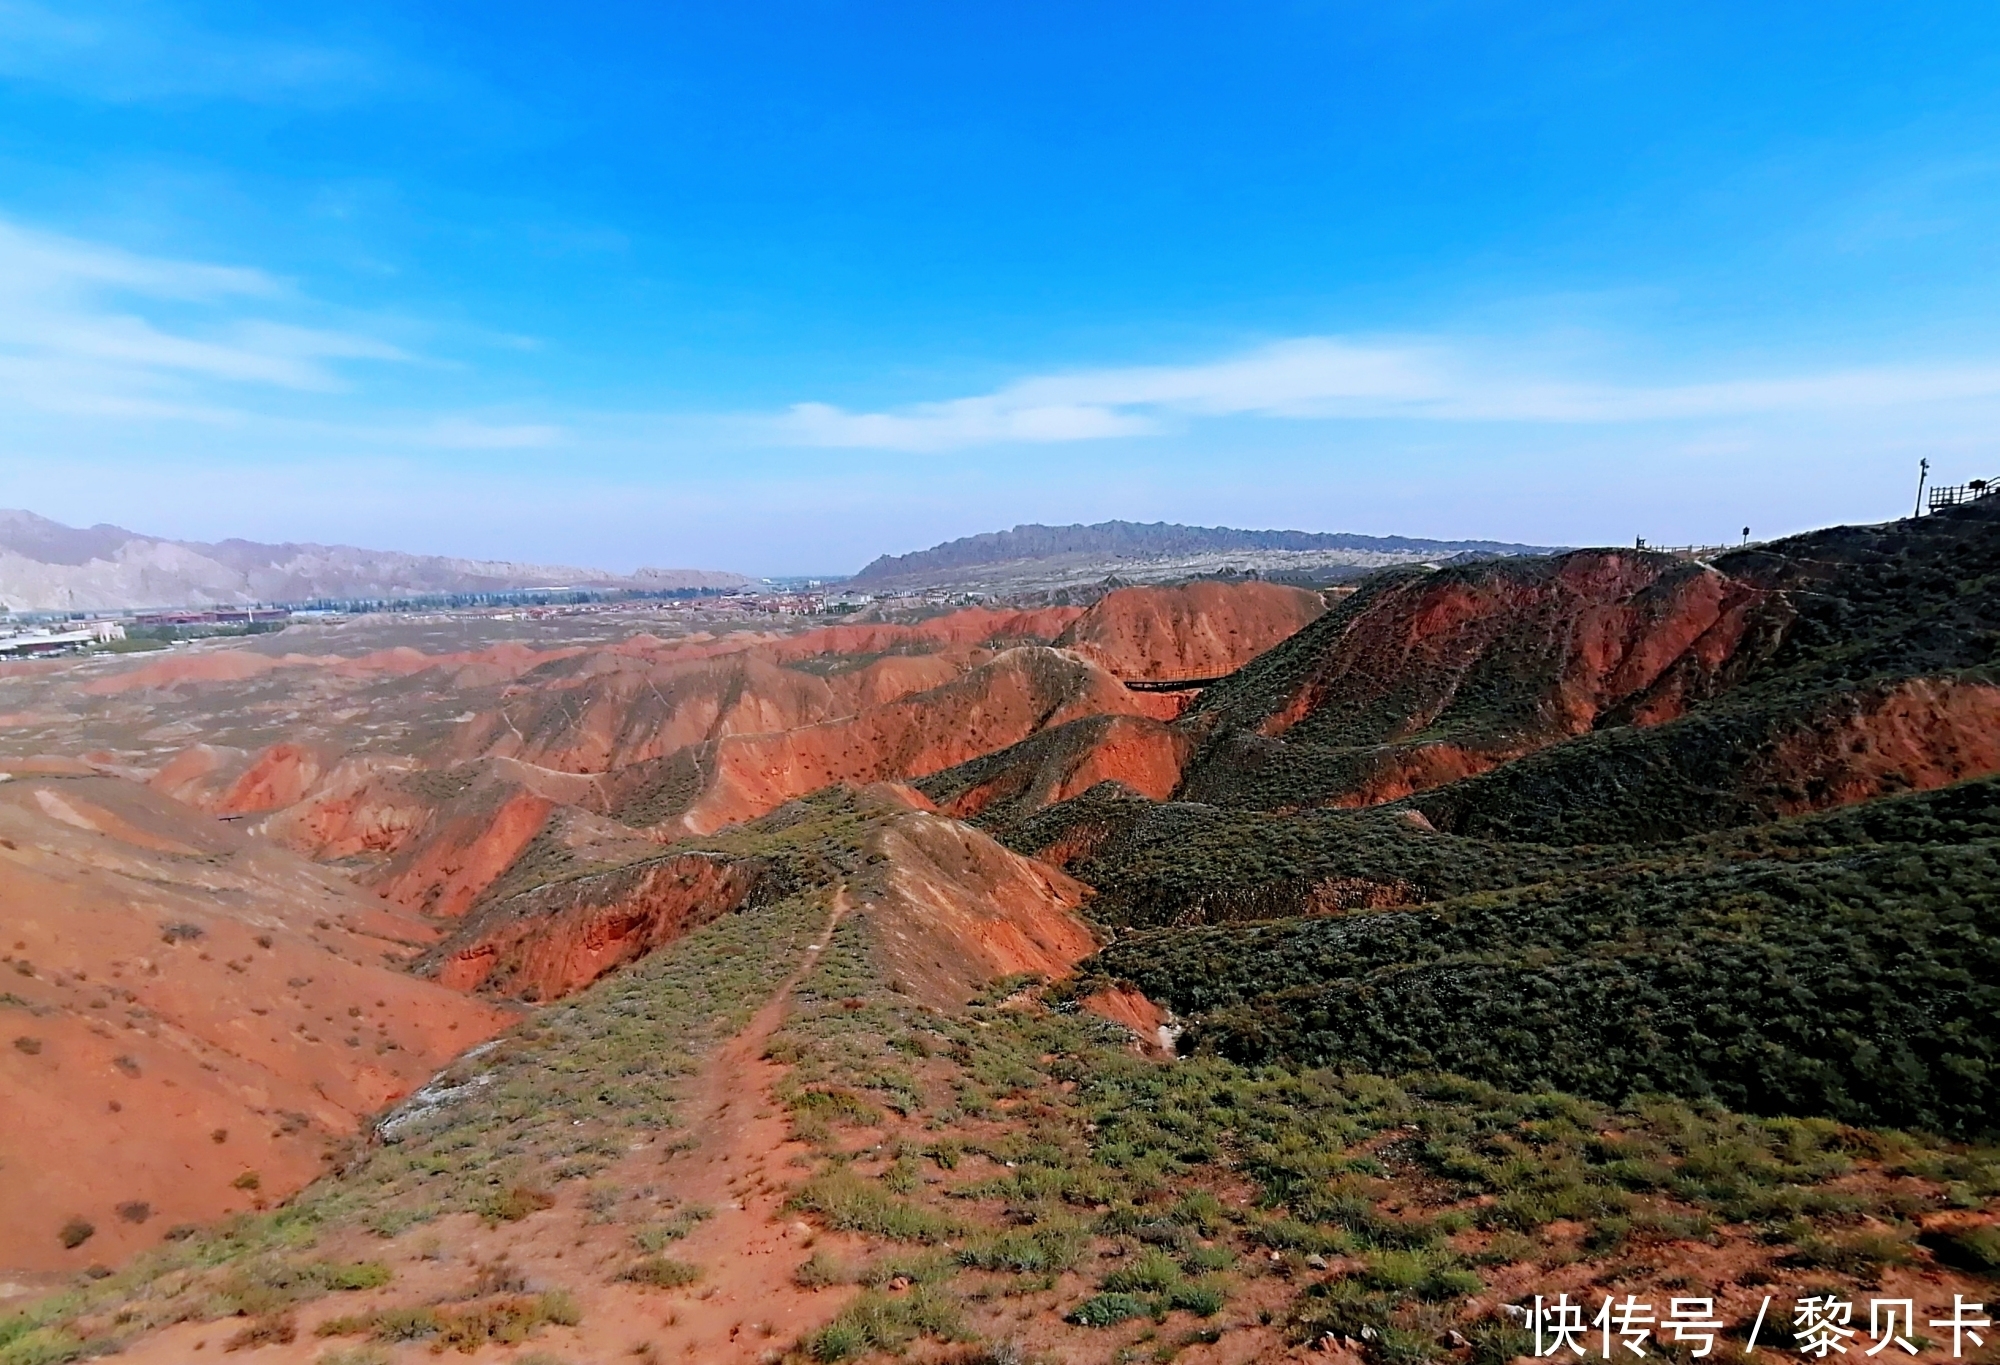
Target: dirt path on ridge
{"x":745,"y":1304}
{"x":743,"y":1309}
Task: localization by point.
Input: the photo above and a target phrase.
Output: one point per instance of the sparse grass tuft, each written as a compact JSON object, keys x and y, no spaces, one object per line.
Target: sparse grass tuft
{"x":847,"y":1203}
{"x":662,"y":1272}
{"x":516,"y":1202}
{"x":886,"y":1322}
{"x":502,"y":1321}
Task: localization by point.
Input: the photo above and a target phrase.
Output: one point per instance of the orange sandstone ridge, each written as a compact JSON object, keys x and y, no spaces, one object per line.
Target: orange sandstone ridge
{"x":680,"y":739}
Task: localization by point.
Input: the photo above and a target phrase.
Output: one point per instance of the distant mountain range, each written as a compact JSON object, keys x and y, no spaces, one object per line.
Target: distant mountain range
{"x":1110,"y":543}
{"x":47,"y":566}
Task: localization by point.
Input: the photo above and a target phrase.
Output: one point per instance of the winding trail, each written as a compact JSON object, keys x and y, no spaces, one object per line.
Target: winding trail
{"x":745,"y":1305}
{"x":732,"y":1157}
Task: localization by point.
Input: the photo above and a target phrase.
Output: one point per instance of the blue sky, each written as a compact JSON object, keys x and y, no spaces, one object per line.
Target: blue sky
{"x":779,"y":287}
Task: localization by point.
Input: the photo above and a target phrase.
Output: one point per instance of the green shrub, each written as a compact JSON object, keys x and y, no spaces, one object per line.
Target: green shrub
{"x":884,"y":1322}
{"x":1675,"y":971}
{"x":1201,"y":1298}
{"x":1201,"y":1211}
{"x":39,"y":1346}
{"x":838,"y":1106}
{"x":847,"y":1203}
{"x":344,"y":1276}
{"x":1289,"y":1234}
{"x":1203,"y":1259}
{"x":1152,"y":1272}
{"x":1861,"y":1254}
{"x":390,"y":1324}
{"x":1418,"y":1274}
{"x":838,"y":1340}
{"x":1107,"y":1310}
{"x":1050,"y":1247}
{"x":505,"y":1321}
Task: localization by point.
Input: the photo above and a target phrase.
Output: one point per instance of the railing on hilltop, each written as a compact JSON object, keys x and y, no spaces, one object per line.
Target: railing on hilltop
{"x":1689,"y":551}
{"x":1952,"y":494}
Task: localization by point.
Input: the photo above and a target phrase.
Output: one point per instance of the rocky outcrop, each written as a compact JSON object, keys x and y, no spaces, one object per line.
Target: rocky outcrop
{"x":199,"y":774}
{"x":621,"y":711}
{"x":1549,"y":643}
{"x":667,"y":743}
{"x":366,"y":805}
{"x":465,"y":850}
{"x":1151,"y":1026}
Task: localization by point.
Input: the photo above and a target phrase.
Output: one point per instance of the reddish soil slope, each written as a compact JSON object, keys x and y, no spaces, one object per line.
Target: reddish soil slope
{"x":182,"y":1007}
{"x":278,"y":776}
{"x":1582,"y":633}
{"x":1610,"y":694}
{"x":998,"y":704}
{"x":728,"y":738}
{"x":1915,"y":735}
{"x":1141,"y":755}
{"x":200,"y":774}
{"x":952,"y":909}
{"x":548,"y":942}
{"x":363,"y":806}
{"x":615,"y":711}
{"x":1196,"y":630}
{"x":1429,"y":678}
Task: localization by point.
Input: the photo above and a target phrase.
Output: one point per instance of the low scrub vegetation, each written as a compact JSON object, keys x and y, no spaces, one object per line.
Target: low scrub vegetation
{"x":1086,"y":1182}
{"x":1833,"y":966}
{"x":466,"y":1328}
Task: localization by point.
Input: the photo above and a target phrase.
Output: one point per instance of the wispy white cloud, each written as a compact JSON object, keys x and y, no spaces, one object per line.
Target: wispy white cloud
{"x":1332,"y":378}
{"x":130,"y":53}
{"x":89,"y":329}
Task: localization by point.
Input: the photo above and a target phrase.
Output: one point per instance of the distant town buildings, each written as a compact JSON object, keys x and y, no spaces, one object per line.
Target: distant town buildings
{"x":24,"y":643}
{"x":220,"y":616}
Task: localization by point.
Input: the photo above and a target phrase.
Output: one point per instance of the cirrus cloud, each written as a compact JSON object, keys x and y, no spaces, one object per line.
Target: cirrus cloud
{"x":1335,"y":378}
{"x":91,"y":329}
